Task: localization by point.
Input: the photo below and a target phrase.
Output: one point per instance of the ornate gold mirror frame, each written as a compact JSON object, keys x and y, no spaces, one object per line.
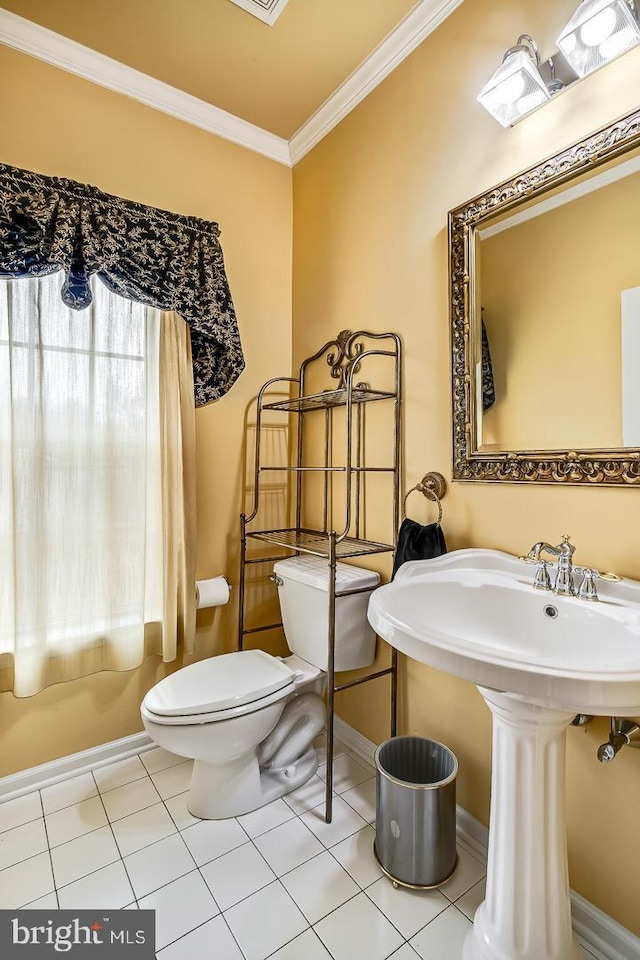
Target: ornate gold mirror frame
{"x":618,"y":467}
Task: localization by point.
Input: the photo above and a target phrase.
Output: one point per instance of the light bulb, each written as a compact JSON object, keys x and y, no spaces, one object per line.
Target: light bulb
{"x":613,"y":46}
{"x":598,"y":28}
{"x":510,"y":89}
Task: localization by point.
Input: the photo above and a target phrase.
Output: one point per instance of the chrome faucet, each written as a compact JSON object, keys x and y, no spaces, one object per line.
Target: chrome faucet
{"x":564,"y":583}
{"x":564,"y":551}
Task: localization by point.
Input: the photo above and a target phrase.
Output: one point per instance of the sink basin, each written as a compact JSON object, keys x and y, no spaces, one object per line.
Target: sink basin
{"x":538,"y":659}
{"x":475,"y":614}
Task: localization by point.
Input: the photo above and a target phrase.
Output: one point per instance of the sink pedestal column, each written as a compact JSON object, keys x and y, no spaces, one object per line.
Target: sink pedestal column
{"x":526,"y":914}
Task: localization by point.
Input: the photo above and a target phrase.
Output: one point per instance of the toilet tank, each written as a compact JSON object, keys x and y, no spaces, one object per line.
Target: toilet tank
{"x":303,"y":590}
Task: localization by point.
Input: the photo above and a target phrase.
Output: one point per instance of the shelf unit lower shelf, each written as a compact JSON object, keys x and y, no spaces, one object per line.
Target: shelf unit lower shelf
{"x":317,"y":543}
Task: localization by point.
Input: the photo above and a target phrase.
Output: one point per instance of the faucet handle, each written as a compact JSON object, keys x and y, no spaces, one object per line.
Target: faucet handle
{"x":542,"y":580}
{"x":587,"y":589}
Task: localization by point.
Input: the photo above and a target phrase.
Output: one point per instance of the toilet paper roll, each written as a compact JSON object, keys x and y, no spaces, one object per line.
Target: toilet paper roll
{"x":212,"y":593}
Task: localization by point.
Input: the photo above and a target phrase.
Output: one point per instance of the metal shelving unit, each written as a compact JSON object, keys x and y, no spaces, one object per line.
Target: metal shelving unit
{"x":342,"y":359}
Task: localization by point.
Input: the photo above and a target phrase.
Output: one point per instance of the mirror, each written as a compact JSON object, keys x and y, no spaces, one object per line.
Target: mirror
{"x":545,"y":319}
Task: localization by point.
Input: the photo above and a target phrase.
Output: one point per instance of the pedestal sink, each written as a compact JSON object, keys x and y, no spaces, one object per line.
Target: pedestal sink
{"x":538,"y":659}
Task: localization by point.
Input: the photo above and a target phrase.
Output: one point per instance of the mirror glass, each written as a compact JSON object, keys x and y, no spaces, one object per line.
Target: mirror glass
{"x":545,"y":310}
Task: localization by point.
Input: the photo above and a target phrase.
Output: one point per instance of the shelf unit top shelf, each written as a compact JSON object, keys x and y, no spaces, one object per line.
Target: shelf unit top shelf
{"x":316,"y":542}
{"x":328,"y":398}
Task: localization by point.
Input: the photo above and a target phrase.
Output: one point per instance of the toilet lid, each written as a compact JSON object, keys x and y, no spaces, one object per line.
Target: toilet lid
{"x":219,"y":683}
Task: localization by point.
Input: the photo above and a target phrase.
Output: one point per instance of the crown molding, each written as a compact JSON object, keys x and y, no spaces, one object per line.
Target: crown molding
{"x":44,"y":44}
{"x":53,"y":48}
{"x":425,"y":17}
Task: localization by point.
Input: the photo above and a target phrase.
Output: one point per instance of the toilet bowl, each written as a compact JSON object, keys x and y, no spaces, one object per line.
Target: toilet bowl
{"x":249,"y":719}
{"x":220,"y":711}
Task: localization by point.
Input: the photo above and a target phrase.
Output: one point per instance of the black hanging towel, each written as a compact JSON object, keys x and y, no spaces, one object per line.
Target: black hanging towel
{"x":418,"y":542}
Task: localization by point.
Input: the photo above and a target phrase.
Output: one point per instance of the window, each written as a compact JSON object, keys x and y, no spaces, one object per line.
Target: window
{"x":81,"y":525}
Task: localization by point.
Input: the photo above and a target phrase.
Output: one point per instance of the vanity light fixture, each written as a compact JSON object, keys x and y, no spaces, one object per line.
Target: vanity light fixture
{"x":517,"y":87}
{"x":599,"y":31}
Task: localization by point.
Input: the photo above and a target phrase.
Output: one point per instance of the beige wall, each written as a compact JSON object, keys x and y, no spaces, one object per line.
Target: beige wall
{"x":57,"y":124}
{"x":370,"y":250}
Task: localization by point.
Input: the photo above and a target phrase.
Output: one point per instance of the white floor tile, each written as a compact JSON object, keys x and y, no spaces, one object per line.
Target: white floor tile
{"x":75,"y":820}
{"x":357,"y":857}
{"x":471,"y":900}
{"x":319,"y":886}
{"x":467,"y":873}
{"x":406,"y":952}
{"x":363,"y":799}
{"x":212,"y":940}
{"x":83,"y":855}
{"x":180,"y":907}
{"x":159,"y":759}
{"x":358,"y":931}
{"x":26,"y":881}
{"x":13,"y":813}
{"x":130,"y":798}
{"x":266,"y":818}
{"x":307,"y":946}
{"x":306,"y":797}
{"x":287,"y":846}
{"x":347,"y":772}
{"x":408,"y":910}
{"x":265,"y":921}
{"x":22,"y":842}
{"x":177,"y":807}
{"x":442,"y":939}
{"x":116,"y":774}
{"x":174,"y":779}
{"x":209,"y":839}
{"x":320,"y":744}
{"x":107,"y":889}
{"x":154,"y":866}
{"x":63,"y":794}
{"x":344,"y":822}
{"x":49,"y":902}
{"x":143,"y":828}
{"x":237,"y":875}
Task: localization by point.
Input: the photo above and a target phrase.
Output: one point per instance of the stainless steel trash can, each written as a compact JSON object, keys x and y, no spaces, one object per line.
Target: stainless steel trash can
{"x":416,"y":811}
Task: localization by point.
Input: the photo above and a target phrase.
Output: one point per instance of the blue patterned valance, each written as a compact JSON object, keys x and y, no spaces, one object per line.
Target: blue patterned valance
{"x":158,"y":258}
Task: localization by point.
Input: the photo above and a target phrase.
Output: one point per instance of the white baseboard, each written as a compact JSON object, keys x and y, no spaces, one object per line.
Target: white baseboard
{"x":46,"y":774}
{"x":601,"y":935}
{"x":596,"y":930}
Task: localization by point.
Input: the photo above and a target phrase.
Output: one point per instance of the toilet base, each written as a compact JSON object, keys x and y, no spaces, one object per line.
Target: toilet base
{"x":219,"y":791}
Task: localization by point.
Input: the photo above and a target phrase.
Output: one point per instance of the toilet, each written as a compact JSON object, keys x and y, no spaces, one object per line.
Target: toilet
{"x":249,"y":719}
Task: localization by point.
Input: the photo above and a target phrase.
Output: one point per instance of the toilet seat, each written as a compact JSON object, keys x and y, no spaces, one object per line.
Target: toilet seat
{"x":219,"y":688}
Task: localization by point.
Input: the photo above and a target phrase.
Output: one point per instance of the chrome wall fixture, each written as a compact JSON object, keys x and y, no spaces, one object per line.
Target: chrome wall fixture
{"x":623,"y":733}
{"x":598,"y":32}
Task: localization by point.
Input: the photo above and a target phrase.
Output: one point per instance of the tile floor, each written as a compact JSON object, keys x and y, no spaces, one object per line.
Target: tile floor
{"x":278,"y":883}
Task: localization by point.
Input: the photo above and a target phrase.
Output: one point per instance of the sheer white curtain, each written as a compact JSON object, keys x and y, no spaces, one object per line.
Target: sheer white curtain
{"x":88,"y":579}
